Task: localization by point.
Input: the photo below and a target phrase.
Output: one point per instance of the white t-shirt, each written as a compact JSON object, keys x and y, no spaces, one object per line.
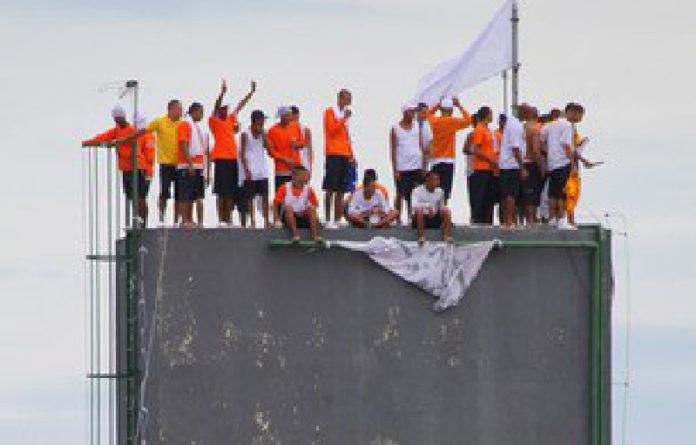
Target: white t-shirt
{"x":513,"y":137}
{"x":556,"y":135}
{"x":421,"y":198}
{"x":408,"y":152}
{"x":255,"y":156}
{"x":358,"y":203}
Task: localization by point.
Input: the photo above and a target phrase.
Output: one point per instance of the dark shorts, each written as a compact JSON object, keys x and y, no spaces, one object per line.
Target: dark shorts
{"x":430,"y":222}
{"x":446,"y":172}
{"x":254,"y":188}
{"x":482,"y":196}
{"x":301,"y":221}
{"x":557,"y":182}
{"x":532,"y":186}
{"x":509,"y":183}
{"x":337,"y":174}
{"x":409,"y":180}
{"x":142,"y":185}
{"x":495,"y":189}
{"x":226,"y":183}
{"x":168,"y":178}
{"x":190,"y":187}
{"x":280,"y":180}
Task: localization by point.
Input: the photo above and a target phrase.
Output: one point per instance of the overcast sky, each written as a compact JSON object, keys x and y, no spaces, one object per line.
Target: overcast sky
{"x":631,"y":63}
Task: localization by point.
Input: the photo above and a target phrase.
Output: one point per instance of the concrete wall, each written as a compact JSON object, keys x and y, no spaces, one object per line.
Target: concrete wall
{"x":258,"y":346}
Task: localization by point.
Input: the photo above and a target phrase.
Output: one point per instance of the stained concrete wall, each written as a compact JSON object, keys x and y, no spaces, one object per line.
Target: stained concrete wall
{"x":258,"y":346}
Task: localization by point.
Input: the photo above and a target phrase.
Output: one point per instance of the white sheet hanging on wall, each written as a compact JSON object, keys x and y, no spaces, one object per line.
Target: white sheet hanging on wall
{"x":443,"y":270}
{"x":488,"y":56}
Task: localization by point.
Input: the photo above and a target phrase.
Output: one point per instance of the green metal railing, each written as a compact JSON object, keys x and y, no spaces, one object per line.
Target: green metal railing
{"x":111,"y":219}
{"x":599,"y":427}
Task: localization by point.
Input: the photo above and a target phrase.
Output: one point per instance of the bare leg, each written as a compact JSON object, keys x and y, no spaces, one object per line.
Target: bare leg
{"x":162,"y":207}
{"x":531,"y":214}
{"x":397,"y":204}
{"x":199,"y":212}
{"x":313,"y":222}
{"x":338,"y":207}
{"x":264,"y":205}
{"x":327,"y":205}
{"x":420,"y":224}
{"x":356,"y":220}
{"x":289,"y":214}
{"x":509,"y":210}
{"x":446,"y":224}
{"x":252,"y":211}
{"x":142,"y":210}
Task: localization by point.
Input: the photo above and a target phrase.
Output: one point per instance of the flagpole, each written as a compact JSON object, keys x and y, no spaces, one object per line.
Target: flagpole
{"x":515,"y":55}
{"x":505,"y":92}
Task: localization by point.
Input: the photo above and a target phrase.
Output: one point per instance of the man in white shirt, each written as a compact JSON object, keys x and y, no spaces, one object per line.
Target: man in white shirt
{"x":429,"y":210}
{"x":407,"y":156}
{"x":562,"y":162}
{"x":369,"y":208}
{"x":512,"y":150}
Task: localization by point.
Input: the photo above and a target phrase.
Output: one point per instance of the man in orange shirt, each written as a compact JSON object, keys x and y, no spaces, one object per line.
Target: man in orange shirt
{"x":484,"y":165}
{"x":444,"y":129}
{"x":147,"y":144}
{"x":338,"y":149}
{"x":298,"y":204}
{"x":120,"y":131}
{"x":224,"y":125}
{"x":285,"y":141}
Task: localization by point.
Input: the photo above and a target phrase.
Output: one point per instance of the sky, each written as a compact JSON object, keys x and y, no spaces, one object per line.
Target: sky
{"x":630,"y":63}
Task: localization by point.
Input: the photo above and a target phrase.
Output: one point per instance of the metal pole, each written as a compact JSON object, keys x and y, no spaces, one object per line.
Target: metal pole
{"x":505,"y":92}
{"x":515,"y":56}
{"x":134,"y":160}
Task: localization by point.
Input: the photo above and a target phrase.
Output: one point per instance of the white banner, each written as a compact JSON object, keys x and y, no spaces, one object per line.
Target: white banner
{"x":488,"y":56}
{"x":441,"y":269}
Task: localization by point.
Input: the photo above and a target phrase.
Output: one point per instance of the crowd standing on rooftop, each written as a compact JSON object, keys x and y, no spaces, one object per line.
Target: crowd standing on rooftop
{"x":528,"y":167}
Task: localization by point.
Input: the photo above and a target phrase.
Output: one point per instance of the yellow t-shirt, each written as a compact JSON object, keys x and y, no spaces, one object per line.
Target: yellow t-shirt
{"x":167,"y":140}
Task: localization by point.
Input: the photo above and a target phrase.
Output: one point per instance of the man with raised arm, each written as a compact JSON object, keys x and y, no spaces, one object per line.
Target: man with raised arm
{"x":368,"y":207}
{"x":224,"y":124}
{"x":298,"y":205}
{"x":338,"y":149}
{"x":429,"y":208}
{"x":121,"y":130}
{"x":444,"y":132}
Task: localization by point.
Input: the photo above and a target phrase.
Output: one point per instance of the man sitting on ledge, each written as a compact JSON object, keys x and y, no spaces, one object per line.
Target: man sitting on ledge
{"x":429,"y":211}
{"x":369,"y":208}
{"x":298,"y":205}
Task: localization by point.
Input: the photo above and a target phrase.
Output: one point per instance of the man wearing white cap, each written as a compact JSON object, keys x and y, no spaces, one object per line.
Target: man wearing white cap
{"x":445,"y":128}
{"x":113,"y":136}
{"x":285,"y":141}
{"x":407,"y":156}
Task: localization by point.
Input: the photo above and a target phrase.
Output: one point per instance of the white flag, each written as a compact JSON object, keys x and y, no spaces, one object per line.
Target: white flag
{"x":489,"y":55}
{"x":443,"y":270}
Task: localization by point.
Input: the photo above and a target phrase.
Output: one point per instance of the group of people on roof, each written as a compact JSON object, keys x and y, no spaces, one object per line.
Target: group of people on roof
{"x":529,"y":162}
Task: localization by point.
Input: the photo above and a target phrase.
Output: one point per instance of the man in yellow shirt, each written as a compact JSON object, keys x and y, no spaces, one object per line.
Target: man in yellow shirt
{"x":167,"y":152}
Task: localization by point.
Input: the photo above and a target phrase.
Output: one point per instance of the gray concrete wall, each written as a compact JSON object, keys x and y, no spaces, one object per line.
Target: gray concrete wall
{"x":260,"y":346}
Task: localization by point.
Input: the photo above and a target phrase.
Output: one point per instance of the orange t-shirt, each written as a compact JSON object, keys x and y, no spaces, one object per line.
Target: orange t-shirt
{"x":147,"y":144}
{"x":379,"y":187}
{"x":336,"y":138}
{"x":125,"y":151}
{"x":184,"y":132}
{"x":223,"y":130}
{"x":296,"y":192}
{"x":280,"y":139}
{"x":445,"y":130}
{"x":482,"y":136}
